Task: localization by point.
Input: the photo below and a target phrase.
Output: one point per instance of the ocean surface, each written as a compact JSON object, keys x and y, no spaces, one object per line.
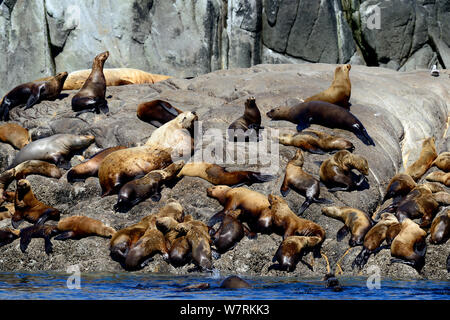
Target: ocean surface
{"x":104,"y":286}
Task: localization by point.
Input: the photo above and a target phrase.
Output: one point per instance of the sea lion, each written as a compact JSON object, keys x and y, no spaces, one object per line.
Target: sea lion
{"x":149,"y":186}
{"x":442,"y":161}
{"x":340,"y":90}
{"x":28,"y":208}
{"x":7,"y":211}
{"x":251,"y":120}
{"x":38,"y":231}
{"x":322,"y":143}
{"x":200,"y":242}
{"x":355,"y":221}
{"x":31,"y":93}
{"x":234,"y":282}
{"x":124,"y":165}
{"x":324,"y":114}
{"x":331,"y":282}
{"x":8,"y":235}
{"x":336,"y":172}
{"x":91,"y":97}
{"x":409,"y":246}
{"x":180,"y":252}
{"x":399,"y":186}
{"x":77,"y":227}
{"x":157,"y":112}
{"x":230,"y":232}
{"x":90,"y":167}
{"x":15,"y":135}
{"x":302,"y":183}
{"x":218,"y":175}
{"x":427,"y":155}
{"x":440,"y":228}
{"x":373,"y":239}
{"x":56,"y":149}
{"x":439,"y":176}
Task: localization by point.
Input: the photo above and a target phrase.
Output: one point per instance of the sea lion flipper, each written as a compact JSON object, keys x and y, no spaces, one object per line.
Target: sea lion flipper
{"x":218,"y":217}
{"x":169,"y":108}
{"x":65,"y":235}
{"x":304,"y":206}
{"x":342,"y":232}
{"x":156,"y":197}
{"x":34,"y":98}
{"x":48,"y":246}
{"x":45,"y":215}
{"x":156,"y":123}
{"x":301,"y":126}
{"x":103,"y":107}
{"x":16,"y":223}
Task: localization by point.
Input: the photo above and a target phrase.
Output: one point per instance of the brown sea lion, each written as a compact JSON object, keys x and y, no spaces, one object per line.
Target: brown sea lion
{"x":302,"y":183}
{"x":90,"y":167}
{"x":7,"y":211}
{"x":427,"y":155}
{"x":38,"y":231}
{"x":234,"y":282}
{"x":157,"y":112}
{"x":439,"y":176}
{"x":180,"y":252}
{"x":324,"y":114}
{"x":442,"y":161}
{"x":251,"y":120}
{"x":77,"y":227}
{"x":322,"y":143}
{"x":331,"y":282}
{"x":125,"y":165}
{"x":336,"y":172}
{"x":8,"y":235}
{"x":409,"y":246}
{"x":440,"y":228}
{"x":200,"y":242}
{"x":91,"y":97}
{"x":56,"y":149}
{"x":149,"y":186}
{"x":355,"y":221}
{"x":399,"y":186}
{"x":375,"y":237}
{"x":28,"y":208}
{"x":15,"y":135}
{"x":218,"y":175}
{"x":230,"y":232}
{"x":31,"y":93}
{"x":340,"y":90}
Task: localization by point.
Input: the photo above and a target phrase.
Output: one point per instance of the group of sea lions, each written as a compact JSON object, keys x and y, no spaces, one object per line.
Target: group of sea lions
{"x":138,"y":173}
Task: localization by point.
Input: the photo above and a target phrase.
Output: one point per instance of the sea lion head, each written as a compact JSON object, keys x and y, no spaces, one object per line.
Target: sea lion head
{"x":82,"y":141}
{"x":279,"y":113}
{"x":362,"y":164}
{"x":250,"y":102}
{"x":186,"y":119}
{"x":23,"y":185}
{"x":61,"y":77}
{"x":102,"y":56}
{"x":285,"y":138}
{"x":217,"y":192}
{"x":386,"y":216}
{"x":298,"y":159}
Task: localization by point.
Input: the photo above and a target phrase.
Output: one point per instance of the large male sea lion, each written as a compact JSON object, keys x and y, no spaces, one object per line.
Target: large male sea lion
{"x":91,"y":97}
{"x":31,"y":93}
{"x":324,"y":114}
{"x":427,"y":155}
{"x":251,"y":120}
{"x":15,"y":135}
{"x":157,"y":112}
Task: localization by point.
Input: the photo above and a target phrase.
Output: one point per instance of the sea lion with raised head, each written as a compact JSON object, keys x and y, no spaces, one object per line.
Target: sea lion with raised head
{"x":157,"y":112}
{"x":15,"y":135}
{"x":77,"y":227}
{"x":324,"y":114}
{"x":251,"y":120}
{"x":427,"y":155}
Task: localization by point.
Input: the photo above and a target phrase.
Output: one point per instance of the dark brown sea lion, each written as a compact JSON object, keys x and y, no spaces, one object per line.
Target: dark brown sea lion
{"x":28,"y":208}
{"x":324,"y":114}
{"x":218,"y":175}
{"x":77,"y":227}
{"x":336,"y":172}
{"x":56,"y":149}
{"x":149,"y":186}
{"x":90,"y":167}
{"x":234,"y":282}
{"x":180,"y":252}
{"x":439,"y":176}
{"x":399,"y":186}
{"x":340,"y":90}
{"x":355,"y":221}
{"x":38,"y":231}
{"x":302,"y":183}
{"x":251,"y":120}
{"x":443,"y":161}
{"x":8,"y":235}
{"x":427,"y":155}
{"x":15,"y":135}
{"x":157,"y":112}
{"x":440,"y":228}
{"x":91,"y":97}
{"x":31,"y":93}
{"x":331,"y":282}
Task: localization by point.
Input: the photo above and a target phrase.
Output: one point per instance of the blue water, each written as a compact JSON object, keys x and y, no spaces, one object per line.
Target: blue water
{"x":160,"y":286}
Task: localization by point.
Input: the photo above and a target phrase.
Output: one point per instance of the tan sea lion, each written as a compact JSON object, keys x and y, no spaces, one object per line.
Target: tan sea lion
{"x":7,"y":211}
{"x":91,"y":97}
{"x":439,"y":176}
{"x":324,"y":114}
{"x":77,"y":227}
{"x":440,"y":228}
{"x":15,"y":135}
{"x":251,"y":120}
{"x":90,"y":167}
{"x":302,"y":183}
{"x":442,"y":161}
{"x":31,"y":93}
{"x":427,"y":155}
{"x":340,"y":90}
{"x":157,"y":112}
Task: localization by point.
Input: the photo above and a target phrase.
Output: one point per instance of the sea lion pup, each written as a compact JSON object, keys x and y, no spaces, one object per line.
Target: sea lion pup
{"x":323,"y":142}
{"x":149,"y":186}
{"x":409,"y":246}
{"x":91,"y":97}
{"x":218,"y":175}
{"x":90,"y":167}
{"x":340,"y":90}
{"x":234,"y":282}
{"x":77,"y":227}
{"x":31,"y":93}
{"x":251,"y":120}
{"x":15,"y":135}
{"x":383,"y":230}
{"x":336,"y":172}
{"x":440,"y":228}
{"x":439,"y":176}
{"x":442,"y":161}
{"x":28,"y":208}
{"x":427,"y":155}
{"x":324,"y":114}
{"x":8,"y":235}
{"x":157,"y":112}
{"x":56,"y":149}
{"x":124,"y":165}
{"x":38,"y":231}
{"x":399,"y":186}
{"x":302,"y":183}
{"x":355,"y":221}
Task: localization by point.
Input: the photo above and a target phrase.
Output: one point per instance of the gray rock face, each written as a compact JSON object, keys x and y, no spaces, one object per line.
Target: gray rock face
{"x":398,"y":110}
